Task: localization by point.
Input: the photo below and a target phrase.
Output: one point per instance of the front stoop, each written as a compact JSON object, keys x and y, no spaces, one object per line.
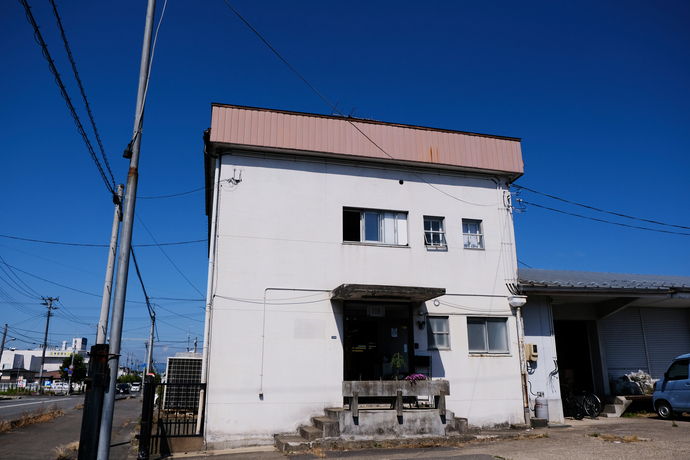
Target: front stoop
{"x":614,"y":406}
{"x":326,"y":431}
{"x":327,"y":426}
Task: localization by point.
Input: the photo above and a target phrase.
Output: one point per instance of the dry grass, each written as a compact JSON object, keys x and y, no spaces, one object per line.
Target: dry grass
{"x":40,"y":415}
{"x":612,"y":438}
{"x":318,"y":452}
{"x":79,"y":406}
{"x":63,"y":452}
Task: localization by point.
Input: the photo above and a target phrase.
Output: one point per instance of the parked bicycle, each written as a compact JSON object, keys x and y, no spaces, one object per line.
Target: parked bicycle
{"x":571,"y":406}
{"x":580,"y":403}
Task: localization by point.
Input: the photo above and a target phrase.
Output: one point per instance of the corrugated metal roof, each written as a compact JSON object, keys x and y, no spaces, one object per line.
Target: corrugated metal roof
{"x":532,"y":277}
{"x":249,"y":127}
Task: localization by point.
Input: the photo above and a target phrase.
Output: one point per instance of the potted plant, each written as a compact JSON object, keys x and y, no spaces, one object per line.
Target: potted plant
{"x":397,"y":362}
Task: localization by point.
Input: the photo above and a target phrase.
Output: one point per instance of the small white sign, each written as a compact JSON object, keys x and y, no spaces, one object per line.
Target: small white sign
{"x":376,"y":310}
{"x":394,"y":332}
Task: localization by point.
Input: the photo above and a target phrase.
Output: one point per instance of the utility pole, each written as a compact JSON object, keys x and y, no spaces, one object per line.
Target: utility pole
{"x":195,"y":343}
{"x":126,"y":241}
{"x":187,"y":342}
{"x":71,"y":368}
{"x":102,"y":331}
{"x":49,"y":303}
{"x":2,"y":347}
{"x":150,"y":350}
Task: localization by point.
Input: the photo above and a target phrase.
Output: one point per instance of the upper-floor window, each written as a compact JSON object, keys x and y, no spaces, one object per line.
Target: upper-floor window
{"x":438,"y":333}
{"x":374,"y":226}
{"x":472,"y":235}
{"x":487,"y":335}
{"x":434,"y":232}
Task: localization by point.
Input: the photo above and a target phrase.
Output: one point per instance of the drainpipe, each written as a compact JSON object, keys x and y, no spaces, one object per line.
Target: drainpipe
{"x":523,"y":365}
{"x":209,"y":293}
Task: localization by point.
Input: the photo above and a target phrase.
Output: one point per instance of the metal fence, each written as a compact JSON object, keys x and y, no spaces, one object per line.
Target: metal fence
{"x":33,"y":386}
{"x":174,"y":411}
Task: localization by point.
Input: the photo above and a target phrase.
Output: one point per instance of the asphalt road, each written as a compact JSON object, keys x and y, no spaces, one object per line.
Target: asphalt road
{"x":40,"y":440}
{"x":12,"y":409}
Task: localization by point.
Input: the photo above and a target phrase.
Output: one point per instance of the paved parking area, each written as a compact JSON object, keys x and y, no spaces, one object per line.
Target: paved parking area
{"x":605,"y":438}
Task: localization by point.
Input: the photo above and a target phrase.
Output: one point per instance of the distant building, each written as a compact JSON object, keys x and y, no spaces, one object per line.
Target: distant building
{"x":30,"y":360}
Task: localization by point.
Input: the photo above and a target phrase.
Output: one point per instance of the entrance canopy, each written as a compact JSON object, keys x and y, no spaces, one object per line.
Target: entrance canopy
{"x":379,"y":293}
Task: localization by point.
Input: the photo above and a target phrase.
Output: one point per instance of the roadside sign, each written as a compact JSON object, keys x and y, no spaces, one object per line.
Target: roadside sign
{"x":21,"y":383}
{"x":46,"y":383}
{"x":69,"y":372}
{"x":71,"y":366}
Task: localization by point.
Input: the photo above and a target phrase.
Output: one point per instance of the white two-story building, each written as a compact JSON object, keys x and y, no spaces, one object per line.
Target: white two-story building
{"x":336,"y":244}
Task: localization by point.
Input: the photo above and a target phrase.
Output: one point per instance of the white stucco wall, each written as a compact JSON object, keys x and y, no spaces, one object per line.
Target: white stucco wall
{"x":543,"y":375}
{"x":280,"y":238}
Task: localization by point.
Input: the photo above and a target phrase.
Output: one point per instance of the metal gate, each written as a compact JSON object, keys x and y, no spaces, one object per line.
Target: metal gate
{"x":169,"y":410}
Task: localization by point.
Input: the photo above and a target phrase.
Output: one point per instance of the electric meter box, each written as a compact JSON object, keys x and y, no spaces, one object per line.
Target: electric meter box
{"x":531,"y":351}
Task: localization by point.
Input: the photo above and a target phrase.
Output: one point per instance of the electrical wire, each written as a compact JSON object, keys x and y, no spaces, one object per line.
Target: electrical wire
{"x":139,"y":120}
{"x":168,"y":257}
{"x":602,"y":220}
{"x":520,"y":187}
{"x":349,"y":119}
{"x":169,"y":196}
{"x":100,"y":245}
{"x":81,"y":88}
{"x":65,"y":96}
{"x":143,"y":288}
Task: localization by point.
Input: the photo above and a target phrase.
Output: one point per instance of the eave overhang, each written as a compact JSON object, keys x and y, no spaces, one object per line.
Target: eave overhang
{"x":380,"y":293}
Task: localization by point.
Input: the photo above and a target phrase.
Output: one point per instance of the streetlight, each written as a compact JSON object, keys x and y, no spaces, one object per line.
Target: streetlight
{"x":3,"y":349}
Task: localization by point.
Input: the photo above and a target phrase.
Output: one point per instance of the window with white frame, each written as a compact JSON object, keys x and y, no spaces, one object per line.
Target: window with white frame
{"x":374,"y":226}
{"x":472,"y":235}
{"x":434,"y":232}
{"x":438,"y":333}
{"x":487,"y":335}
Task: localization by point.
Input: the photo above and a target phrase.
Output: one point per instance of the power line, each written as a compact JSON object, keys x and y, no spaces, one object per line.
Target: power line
{"x":99,"y":245}
{"x":602,"y":220}
{"x":63,"y":92}
{"x":169,"y":259}
{"x":19,"y":288}
{"x":520,"y":187}
{"x":349,"y":120}
{"x":81,"y":88}
{"x":169,"y":196}
{"x":136,"y":266}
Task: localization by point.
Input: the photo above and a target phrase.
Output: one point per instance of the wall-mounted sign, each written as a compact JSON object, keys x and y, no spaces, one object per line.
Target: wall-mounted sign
{"x":376,"y":310}
{"x":394,"y":332}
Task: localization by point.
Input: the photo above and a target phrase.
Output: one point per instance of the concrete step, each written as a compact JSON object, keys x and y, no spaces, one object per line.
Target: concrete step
{"x":310,"y":433}
{"x":291,"y":444}
{"x":329,"y":426}
{"x":615,"y":406}
{"x":334,"y":412}
{"x":461,"y":424}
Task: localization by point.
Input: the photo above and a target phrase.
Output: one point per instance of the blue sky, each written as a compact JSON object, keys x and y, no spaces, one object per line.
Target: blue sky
{"x":598,"y":92}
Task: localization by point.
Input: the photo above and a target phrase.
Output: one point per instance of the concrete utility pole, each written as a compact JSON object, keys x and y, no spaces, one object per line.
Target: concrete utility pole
{"x":2,"y":347}
{"x":102,"y":331}
{"x":150,"y":348}
{"x":126,"y":242}
{"x":49,"y":303}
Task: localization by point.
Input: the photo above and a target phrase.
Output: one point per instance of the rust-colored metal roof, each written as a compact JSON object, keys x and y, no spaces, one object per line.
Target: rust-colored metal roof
{"x":249,"y":127}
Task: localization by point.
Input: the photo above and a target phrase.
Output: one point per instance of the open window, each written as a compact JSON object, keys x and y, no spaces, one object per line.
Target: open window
{"x":434,"y":232}
{"x":375,"y":226}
